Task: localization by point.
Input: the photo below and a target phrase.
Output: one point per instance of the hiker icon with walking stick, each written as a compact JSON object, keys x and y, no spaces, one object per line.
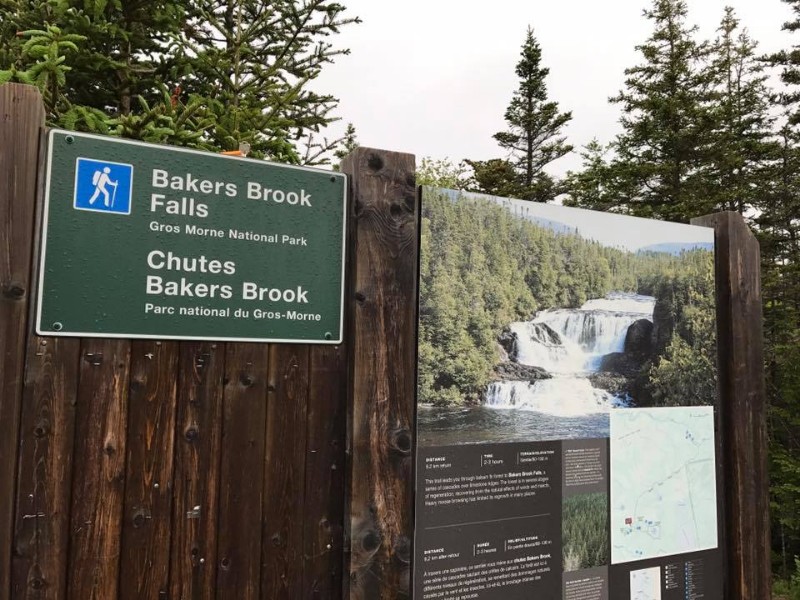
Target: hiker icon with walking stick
{"x":100,"y":180}
{"x":103,"y":186}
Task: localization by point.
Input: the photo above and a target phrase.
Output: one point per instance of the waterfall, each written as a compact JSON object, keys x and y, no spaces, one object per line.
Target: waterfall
{"x":539,"y":344}
{"x":569,"y":343}
{"x":574,"y":396}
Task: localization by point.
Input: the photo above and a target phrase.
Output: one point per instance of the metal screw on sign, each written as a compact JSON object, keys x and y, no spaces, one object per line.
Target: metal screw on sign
{"x":69,"y":139}
{"x":57,"y":326}
{"x":328,"y":335}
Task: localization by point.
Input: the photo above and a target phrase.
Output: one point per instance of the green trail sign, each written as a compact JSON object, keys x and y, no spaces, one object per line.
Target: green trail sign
{"x":148,"y":241}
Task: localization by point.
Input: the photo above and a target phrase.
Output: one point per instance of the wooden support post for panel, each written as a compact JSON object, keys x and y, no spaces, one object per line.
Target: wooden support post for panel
{"x":21,"y":120}
{"x":742,"y":396}
{"x":383,"y":354}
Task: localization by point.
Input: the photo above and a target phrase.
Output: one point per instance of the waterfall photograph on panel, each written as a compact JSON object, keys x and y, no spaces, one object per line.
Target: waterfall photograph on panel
{"x":566,"y":404}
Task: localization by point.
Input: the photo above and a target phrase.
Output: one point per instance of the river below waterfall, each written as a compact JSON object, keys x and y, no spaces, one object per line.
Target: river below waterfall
{"x":569,"y":344}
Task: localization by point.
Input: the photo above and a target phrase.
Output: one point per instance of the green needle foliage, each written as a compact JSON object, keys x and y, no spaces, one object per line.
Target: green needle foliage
{"x":201,"y":73}
{"x":666,"y":133}
{"x":254,"y":61}
{"x":743,"y":145}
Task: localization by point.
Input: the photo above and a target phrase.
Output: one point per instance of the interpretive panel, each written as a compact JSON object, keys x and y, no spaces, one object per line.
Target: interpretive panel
{"x":142,"y":241}
{"x":566,"y":405}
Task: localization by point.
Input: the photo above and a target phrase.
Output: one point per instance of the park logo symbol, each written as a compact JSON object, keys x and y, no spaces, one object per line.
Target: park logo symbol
{"x":103,"y":186}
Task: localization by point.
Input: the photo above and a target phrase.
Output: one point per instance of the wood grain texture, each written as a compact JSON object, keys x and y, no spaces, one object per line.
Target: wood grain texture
{"x":242,"y":471}
{"x":743,"y":402}
{"x":323,"y":537}
{"x":284,"y":473}
{"x":99,"y":470}
{"x":41,"y":528}
{"x":21,"y":120}
{"x":146,"y":529}
{"x":197,"y":462}
{"x":383,"y":357}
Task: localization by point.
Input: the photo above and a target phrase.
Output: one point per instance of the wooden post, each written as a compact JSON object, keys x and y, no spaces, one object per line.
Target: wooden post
{"x":742,"y":398}
{"x":382,"y":339}
{"x":21,"y":120}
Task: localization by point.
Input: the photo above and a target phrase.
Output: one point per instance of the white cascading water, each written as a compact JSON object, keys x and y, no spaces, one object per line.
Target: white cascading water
{"x":569,"y":343}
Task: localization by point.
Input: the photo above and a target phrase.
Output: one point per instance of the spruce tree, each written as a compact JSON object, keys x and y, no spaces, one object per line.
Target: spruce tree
{"x":737,"y":174}
{"x":204,"y":73}
{"x":666,"y":122}
{"x":90,"y":57}
{"x":498,"y":177}
{"x":779,"y":236}
{"x":534,"y":137}
{"x":254,"y":60}
{"x":592,"y":186}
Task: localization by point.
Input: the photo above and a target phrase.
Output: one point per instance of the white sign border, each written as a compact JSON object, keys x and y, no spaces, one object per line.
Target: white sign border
{"x":43,"y":247}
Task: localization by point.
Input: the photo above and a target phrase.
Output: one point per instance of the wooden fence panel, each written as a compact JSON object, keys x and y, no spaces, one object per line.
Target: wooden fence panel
{"x":284,"y":474}
{"x":242,"y":471}
{"x":197,"y":462}
{"x":41,"y":527}
{"x":144,"y":570}
{"x":382,"y":340}
{"x":325,"y":474}
{"x":21,"y":120}
{"x":98,"y":482}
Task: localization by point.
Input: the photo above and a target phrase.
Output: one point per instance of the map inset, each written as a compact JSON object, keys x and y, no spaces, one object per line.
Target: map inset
{"x":663,"y":484}
{"x":646,"y":584}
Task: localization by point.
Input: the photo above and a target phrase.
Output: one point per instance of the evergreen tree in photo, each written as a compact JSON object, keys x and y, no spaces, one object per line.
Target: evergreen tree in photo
{"x":534,"y":137}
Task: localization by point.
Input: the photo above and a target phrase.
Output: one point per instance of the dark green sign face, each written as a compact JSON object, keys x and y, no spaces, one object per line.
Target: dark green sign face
{"x":147,"y":241}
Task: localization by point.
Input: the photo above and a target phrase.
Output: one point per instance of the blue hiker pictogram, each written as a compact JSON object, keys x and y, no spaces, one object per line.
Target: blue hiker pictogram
{"x":103,"y":186}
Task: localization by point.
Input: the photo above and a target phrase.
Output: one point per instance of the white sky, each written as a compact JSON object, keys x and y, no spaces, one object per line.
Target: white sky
{"x":434,"y":77}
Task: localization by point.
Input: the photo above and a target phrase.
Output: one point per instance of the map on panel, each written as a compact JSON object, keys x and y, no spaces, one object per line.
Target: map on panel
{"x":663,"y":496}
{"x":646,"y":584}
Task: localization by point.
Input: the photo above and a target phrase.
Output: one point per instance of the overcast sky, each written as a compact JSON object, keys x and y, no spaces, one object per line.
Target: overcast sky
{"x":433,"y":77}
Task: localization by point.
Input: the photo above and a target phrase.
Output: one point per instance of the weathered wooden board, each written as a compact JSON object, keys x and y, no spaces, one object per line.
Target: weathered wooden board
{"x":98,"y":482}
{"x":323,"y":537}
{"x":242,"y":471}
{"x":382,"y":339}
{"x":144,"y":569}
{"x":284,"y":476}
{"x":45,"y":469}
{"x":195,"y":489}
{"x":21,"y":120}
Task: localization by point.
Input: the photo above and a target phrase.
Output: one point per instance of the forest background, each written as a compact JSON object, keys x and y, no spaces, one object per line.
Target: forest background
{"x":706,"y":125}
